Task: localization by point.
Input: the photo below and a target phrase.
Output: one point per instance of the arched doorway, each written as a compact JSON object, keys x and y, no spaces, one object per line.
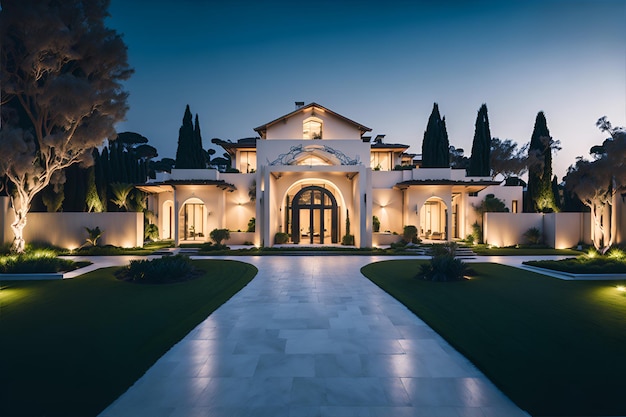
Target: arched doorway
{"x":191,"y":220}
{"x":314,"y":216}
{"x":434,"y":220}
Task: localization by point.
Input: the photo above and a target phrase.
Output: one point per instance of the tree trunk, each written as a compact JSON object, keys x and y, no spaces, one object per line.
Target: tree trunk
{"x":18,"y":229}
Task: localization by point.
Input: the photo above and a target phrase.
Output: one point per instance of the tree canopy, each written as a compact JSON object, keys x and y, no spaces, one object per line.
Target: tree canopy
{"x":436,"y":146}
{"x":61,"y":71}
{"x":457,"y":158}
{"x":506,"y":159}
{"x":597,"y":182}
{"x":480,"y":163}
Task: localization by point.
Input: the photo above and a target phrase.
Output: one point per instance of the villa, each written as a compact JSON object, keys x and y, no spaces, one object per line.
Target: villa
{"x":311,"y":172}
{"x":311,"y":177}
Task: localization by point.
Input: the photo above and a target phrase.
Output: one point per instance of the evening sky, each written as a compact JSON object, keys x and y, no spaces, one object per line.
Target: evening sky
{"x":240,"y":64}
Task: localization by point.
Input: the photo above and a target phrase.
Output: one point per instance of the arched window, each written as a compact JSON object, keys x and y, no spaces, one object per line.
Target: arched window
{"x":312,"y":128}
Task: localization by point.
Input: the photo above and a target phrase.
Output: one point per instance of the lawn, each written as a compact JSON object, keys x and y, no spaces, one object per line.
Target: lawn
{"x":556,"y":348}
{"x":483,"y":250}
{"x":71,"y":347}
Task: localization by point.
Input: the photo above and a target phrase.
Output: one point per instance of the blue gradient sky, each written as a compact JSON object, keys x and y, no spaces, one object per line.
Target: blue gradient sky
{"x":240,"y":64}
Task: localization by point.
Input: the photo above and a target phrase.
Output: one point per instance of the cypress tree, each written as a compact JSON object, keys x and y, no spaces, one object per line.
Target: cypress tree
{"x":114,"y":164}
{"x":101,"y":181}
{"x":188,"y":151}
{"x":92,"y":199}
{"x":479,"y":165}
{"x":540,"y":197}
{"x":436,"y":146}
{"x":198,"y":151}
{"x":75,"y":190}
{"x":556,"y":193}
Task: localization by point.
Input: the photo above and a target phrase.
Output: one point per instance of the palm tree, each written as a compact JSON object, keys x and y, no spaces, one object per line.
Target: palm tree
{"x":121,"y":192}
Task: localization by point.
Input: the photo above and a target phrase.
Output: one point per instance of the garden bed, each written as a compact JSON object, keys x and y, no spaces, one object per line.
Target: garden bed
{"x":583,"y":266}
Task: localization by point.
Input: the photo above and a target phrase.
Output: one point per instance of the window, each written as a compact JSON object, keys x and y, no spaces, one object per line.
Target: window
{"x":312,"y":128}
{"x":514,"y":206}
{"x":248,"y":162}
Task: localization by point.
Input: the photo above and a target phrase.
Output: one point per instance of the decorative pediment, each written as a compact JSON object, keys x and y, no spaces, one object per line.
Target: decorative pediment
{"x":325,"y":153}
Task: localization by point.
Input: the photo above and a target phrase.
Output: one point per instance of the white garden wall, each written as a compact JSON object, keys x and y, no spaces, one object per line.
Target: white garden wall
{"x":560,"y":230}
{"x":67,"y":230}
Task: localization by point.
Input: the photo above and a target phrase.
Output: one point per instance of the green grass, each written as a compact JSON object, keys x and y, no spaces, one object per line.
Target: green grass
{"x":71,"y":347}
{"x":483,"y":250}
{"x":556,"y":348}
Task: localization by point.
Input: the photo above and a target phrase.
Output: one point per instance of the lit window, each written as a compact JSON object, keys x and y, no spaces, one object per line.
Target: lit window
{"x":312,"y":128}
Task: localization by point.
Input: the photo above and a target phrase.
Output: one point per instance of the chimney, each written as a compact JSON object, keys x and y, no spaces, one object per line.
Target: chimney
{"x":299,"y":104}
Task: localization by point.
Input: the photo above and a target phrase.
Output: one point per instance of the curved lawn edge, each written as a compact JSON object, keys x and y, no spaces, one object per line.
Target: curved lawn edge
{"x":89,"y":339}
{"x":555,"y":347}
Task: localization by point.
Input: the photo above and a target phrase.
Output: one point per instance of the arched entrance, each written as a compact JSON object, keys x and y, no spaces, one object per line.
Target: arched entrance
{"x":314,"y":216}
{"x":434,"y":220}
{"x":191,"y":220}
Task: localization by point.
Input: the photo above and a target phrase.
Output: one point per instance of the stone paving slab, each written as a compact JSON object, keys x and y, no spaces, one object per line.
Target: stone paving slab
{"x":310,"y":336}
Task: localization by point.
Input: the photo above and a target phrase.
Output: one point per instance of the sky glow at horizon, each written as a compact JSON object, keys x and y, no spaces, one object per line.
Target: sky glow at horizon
{"x":241,"y":64}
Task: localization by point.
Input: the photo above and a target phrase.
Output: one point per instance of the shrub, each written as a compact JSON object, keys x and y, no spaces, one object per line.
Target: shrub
{"x":398,"y":245}
{"x":347,"y":240}
{"x":444,"y":249}
{"x":533,"y":236}
{"x":470,"y":239}
{"x":443,"y":265}
{"x":409,"y":234}
{"x":211,"y":247}
{"x":167,"y":269}
{"x":251,"y":225}
{"x":38,"y":261}
{"x":217,"y":235}
{"x":281,"y":237}
{"x":94,"y":235}
{"x":106,"y":250}
{"x":490,"y":204}
{"x":151,"y":232}
{"x":477,"y":232}
{"x":375,"y":224}
{"x":616,"y":253}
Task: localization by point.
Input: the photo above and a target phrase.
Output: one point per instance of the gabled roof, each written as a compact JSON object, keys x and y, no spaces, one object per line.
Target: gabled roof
{"x":261,"y":130}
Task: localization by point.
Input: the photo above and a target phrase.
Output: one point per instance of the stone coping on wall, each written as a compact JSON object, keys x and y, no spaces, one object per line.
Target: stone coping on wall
{"x":575,"y":277}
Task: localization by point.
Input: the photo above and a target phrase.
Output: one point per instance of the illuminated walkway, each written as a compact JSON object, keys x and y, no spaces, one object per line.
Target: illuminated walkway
{"x":310,"y":336}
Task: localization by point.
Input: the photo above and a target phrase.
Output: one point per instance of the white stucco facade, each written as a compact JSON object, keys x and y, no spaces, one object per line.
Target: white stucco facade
{"x":305,"y":174}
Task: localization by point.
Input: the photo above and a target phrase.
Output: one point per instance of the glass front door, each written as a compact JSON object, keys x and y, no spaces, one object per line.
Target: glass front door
{"x":314,"y":216}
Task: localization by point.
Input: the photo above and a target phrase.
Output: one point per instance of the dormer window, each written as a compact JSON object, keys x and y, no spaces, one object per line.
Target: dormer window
{"x":312,"y":128}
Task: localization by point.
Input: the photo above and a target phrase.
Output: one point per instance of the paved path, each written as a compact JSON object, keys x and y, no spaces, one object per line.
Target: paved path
{"x":310,"y":336}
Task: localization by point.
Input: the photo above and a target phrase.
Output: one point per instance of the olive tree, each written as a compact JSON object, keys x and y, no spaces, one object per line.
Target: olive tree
{"x":61,"y":70}
{"x":599,"y":181}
